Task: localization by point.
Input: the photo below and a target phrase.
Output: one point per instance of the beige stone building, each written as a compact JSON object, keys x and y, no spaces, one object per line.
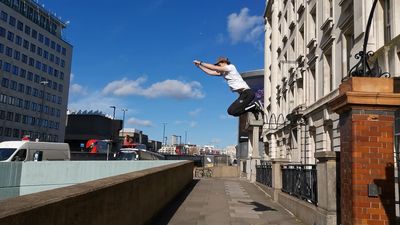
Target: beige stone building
{"x":310,"y":46}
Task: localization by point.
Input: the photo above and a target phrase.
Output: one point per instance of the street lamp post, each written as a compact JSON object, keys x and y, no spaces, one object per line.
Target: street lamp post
{"x":123,"y":121}
{"x":44,"y":83}
{"x":113,"y":107}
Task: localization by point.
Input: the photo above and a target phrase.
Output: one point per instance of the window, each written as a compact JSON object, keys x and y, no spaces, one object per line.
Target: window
{"x":13,"y":85}
{"x":27,"y":104}
{"x":10,"y":116}
{"x":51,"y":57}
{"x":15,"y":70}
{"x":9,"y":51}
{"x":28,"y":90}
{"x":3,"y":98}
{"x":5,"y":82}
{"x":37,"y":78}
{"x":19,"y":103}
{"x":57,"y":61}
{"x":31,"y":61}
{"x":7,"y":67}
{"x":35,"y":92}
{"x":58,"y":48}
{"x":24,"y":58}
{"x":53,"y":45}
{"x":22,"y":73}
{"x":60,"y":88}
{"x":16,"y":135}
{"x":45,"y":54}
{"x":34,"y":33}
{"x":59,"y":100}
{"x":30,"y":76}
{"x":21,"y":88}
{"x":38,"y":65}
{"x":61,"y":75}
{"x":46,"y":41}
{"x":27,"y":30}
{"x":34,"y":106}
{"x":64,"y":51}
{"x":7,"y":132}
{"x":40,"y":38}
{"x":2,"y":32}
{"x":2,"y":114}
{"x":33,"y":48}
{"x":26,"y":44}
{"x":10,"y":36}
{"x":20,"y":25}
{"x":387,"y":21}
{"x":11,"y":100}
{"x":39,"y":51}
{"x":18,"y":40}
{"x":17,"y":55}
{"x":3,"y":16}
{"x":17,"y":118}
{"x":12,"y":21}
{"x":55,"y":85}
{"x":1,"y":48}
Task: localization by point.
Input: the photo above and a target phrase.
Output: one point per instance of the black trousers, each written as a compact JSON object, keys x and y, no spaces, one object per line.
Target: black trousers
{"x":238,"y":106}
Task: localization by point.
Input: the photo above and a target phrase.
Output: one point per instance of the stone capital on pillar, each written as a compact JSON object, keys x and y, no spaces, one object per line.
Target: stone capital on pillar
{"x":366,"y":108}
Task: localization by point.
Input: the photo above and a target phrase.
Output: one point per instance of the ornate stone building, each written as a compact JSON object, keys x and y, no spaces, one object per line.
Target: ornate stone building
{"x":310,"y":47}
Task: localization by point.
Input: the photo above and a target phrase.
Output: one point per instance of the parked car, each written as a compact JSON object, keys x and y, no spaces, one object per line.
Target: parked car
{"x":137,"y":154}
{"x":33,"y":151}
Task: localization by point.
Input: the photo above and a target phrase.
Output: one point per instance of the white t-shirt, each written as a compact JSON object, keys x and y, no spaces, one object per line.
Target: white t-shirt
{"x":234,"y":80}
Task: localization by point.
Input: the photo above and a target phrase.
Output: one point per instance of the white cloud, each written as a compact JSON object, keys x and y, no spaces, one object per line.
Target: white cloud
{"x":188,"y":123}
{"x":138,"y":122}
{"x":167,"y":88}
{"x":195,"y":112}
{"x":94,"y":101}
{"x":243,"y":27}
{"x":78,"y":89}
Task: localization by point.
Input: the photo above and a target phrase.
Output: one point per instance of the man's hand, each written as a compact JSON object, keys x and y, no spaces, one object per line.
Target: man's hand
{"x":196,"y":62}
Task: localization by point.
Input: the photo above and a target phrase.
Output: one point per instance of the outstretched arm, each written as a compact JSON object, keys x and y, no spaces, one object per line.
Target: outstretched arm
{"x":208,"y":71}
{"x":214,"y":67}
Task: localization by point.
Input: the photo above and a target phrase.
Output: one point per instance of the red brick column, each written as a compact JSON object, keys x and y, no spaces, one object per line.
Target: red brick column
{"x":366,"y":158}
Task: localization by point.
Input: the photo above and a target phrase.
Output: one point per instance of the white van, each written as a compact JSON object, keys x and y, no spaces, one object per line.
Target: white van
{"x":33,"y":151}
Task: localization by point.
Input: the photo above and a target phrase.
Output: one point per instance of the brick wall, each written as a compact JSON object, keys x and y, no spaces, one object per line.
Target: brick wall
{"x":367,"y":158}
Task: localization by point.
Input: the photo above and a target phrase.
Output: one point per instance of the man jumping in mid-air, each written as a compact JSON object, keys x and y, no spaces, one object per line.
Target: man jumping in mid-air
{"x":223,"y":67}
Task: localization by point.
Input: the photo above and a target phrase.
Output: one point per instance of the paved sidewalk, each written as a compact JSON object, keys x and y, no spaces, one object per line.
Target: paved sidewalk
{"x":224,"y":201}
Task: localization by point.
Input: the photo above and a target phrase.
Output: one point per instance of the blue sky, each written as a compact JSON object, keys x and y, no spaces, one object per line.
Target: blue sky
{"x":138,"y":55}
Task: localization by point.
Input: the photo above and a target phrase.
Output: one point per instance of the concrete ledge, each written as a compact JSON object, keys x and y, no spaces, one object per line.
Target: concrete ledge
{"x":132,"y":198}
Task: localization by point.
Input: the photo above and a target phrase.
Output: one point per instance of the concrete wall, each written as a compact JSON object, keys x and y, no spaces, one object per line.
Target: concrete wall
{"x":20,"y":178}
{"x":132,"y":198}
{"x":225,"y":171}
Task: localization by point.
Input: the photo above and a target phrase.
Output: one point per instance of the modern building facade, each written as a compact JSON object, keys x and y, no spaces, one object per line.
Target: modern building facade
{"x":35,"y":67}
{"x":83,"y":126}
{"x":310,"y":47}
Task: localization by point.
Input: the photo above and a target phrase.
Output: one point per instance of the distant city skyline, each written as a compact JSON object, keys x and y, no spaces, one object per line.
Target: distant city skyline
{"x":138,"y":56}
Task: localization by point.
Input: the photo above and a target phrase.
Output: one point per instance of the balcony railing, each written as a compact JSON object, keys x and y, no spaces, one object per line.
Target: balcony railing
{"x":300,"y":181}
{"x":264,"y":173}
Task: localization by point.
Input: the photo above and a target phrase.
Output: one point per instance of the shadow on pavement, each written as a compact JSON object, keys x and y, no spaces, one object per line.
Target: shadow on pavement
{"x":259,"y":207}
{"x":168,"y":212}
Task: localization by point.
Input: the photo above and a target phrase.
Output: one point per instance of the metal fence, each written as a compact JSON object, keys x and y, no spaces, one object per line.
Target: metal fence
{"x":264,"y":173}
{"x":300,"y":181}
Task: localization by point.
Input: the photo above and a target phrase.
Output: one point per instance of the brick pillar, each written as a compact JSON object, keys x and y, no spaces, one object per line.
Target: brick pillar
{"x":366,"y":108}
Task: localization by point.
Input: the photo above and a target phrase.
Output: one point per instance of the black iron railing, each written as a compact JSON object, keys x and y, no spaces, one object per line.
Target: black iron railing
{"x":300,"y":181}
{"x":264,"y":173}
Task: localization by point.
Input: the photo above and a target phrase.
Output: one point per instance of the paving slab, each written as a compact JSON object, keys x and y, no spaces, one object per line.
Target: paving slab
{"x":224,"y":202}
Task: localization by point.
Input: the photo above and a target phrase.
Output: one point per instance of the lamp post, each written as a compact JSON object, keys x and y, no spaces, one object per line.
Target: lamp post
{"x":123,"y":121}
{"x":44,"y":83}
{"x":113,"y":107}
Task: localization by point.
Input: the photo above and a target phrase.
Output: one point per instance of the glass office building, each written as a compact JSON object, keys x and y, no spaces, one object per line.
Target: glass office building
{"x":35,"y":68}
